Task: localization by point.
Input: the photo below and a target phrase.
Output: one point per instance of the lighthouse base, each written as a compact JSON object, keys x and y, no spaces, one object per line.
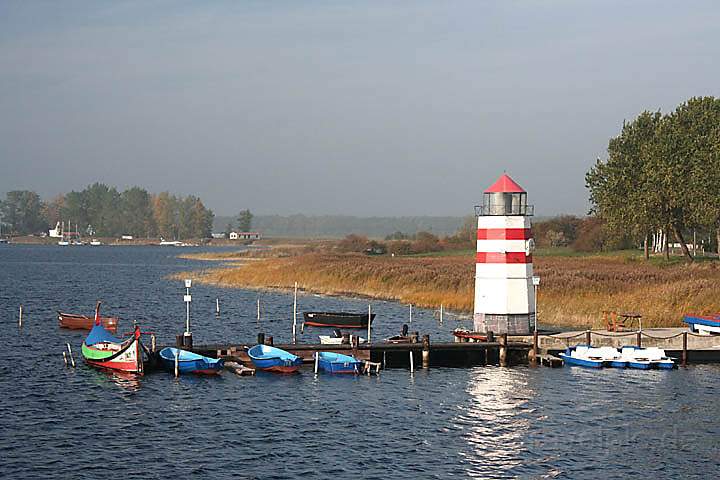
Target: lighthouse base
{"x":512,"y":324}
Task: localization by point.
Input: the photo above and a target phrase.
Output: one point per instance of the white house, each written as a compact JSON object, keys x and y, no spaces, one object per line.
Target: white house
{"x":244,"y":236}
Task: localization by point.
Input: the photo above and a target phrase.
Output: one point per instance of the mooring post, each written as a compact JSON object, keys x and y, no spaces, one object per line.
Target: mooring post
{"x":412,"y":361}
{"x":294,"y":326}
{"x":20,"y":317}
{"x":65,"y":358}
{"x":410,"y":313}
{"x":588,"y":337}
{"x":639,"y":338}
{"x":261,"y":339}
{"x":426,"y":351}
{"x":490,"y":336}
{"x":153,"y":343}
{"x":441,"y":314}
{"x":534,"y":351}
{"x":269,"y":341}
{"x":258,"y":309}
{"x":217,"y":306}
{"x":369,"y":322}
{"x":317,"y":362}
{"x":684,"y":349}
{"x":177,"y":363}
{"x":503,"y":350}
{"x":72,"y":359}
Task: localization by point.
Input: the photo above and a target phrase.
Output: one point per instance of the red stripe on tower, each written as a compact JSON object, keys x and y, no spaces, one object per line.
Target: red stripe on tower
{"x":504,"y":234}
{"x":498,"y":257}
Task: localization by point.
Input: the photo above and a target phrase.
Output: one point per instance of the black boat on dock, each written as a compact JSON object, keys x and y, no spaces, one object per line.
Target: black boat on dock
{"x":337,"y":319}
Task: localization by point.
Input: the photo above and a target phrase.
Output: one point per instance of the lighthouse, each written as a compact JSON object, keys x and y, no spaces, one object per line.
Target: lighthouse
{"x":504,"y":296}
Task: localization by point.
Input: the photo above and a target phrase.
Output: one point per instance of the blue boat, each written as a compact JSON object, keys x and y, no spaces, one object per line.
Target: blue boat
{"x":580,"y":355}
{"x":647,"y":358}
{"x":338,"y":363}
{"x":189,"y":362}
{"x":271,"y":359}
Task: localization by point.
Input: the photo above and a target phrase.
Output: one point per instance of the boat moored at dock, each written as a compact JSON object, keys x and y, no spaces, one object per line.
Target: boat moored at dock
{"x":706,"y":325}
{"x":582,"y":356}
{"x":271,"y":359}
{"x":332,"y":362}
{"x":189,"y":362}
{"x":647,"y":358}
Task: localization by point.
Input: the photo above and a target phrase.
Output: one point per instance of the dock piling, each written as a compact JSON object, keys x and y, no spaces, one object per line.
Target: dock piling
{"x":261,"y":339}
{"x":503,"y":350}
{"x":441,"y":314}
{"x":317,"y":362}
{"x":294,"y":326}
{"x":534,"y":350}
{"x":684,"y":349}
{"x":410,"y":314}
{"x":65,"y":358}
{"x":426,"y":351}
{"x":258,"y":309}
{"x":217,"y":307}
{"x":20,"y":317}
{"x":639,"y":338}
{"x":412,"y":362}
{"x":269,"y":341}
{"x":177,"y":363}
{"x":369,"y":321}
{"x":153,"y":343}
{"x":588,"y":337}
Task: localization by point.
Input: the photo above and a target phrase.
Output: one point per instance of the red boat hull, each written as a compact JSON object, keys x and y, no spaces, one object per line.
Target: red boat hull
{"x":82,"y":322}
{"x":290,"y":369}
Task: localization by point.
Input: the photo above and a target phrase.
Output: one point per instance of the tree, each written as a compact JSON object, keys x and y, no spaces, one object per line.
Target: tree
{"x":244,"y":220}
{"x":137,"y":212}
{"x":164,"y":214}
{"x":622,"y":192}
{"x":22,"y":211}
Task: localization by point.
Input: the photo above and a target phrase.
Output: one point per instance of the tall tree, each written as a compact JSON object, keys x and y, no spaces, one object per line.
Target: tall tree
{"x":137,"y":213}
{"x":244,"y":220}
{"x":22,"y":211}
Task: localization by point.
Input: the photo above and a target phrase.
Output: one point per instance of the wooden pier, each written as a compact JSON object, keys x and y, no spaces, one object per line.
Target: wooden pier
{"x":540,"y":349}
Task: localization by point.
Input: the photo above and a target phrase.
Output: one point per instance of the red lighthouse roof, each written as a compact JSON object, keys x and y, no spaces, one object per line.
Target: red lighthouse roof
{"x":505,"y":184}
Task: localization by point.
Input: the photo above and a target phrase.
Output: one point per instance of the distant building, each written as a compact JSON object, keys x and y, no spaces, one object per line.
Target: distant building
{"x":244,"y":236}
{"x":126,"y":237}
{"x":218,"y":235}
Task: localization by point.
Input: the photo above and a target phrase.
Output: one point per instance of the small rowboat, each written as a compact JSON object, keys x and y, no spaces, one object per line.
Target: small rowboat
{"x":103,"y":350}
{"x":706,"y":325}
{"x":338,"y":363}
{"x":83,"y":322}
{"x":647,"y":358}
{"x":337,"y":319}
{"x":189,"y":362}
{"x":271,"y":359}
{"x":583,"y":356}
{"x":467,"y":335}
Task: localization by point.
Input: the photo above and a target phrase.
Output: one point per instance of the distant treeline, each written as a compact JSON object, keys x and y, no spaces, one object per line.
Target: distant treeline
{"x":338,"y":226}
{"x":103,"y":211}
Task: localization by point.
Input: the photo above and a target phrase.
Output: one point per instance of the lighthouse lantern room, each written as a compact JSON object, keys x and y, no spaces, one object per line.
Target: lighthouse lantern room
{"x":504,"y":296}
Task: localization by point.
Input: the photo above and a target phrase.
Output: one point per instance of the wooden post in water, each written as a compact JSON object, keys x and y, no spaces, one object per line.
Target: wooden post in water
{"x":588,"y":337}
{"x":534,"y":351}
{"x":684,"y":349}
{"x":217,"y":307}
{"x":410,"y":314}
{"x":294,"y":329}
{"x":65,"y":358}
{"x":153,"y":343}
{"x":639,"y":338}
{"x":441,"y":314}
{"x":20,"y":317}
{"x":369,"y":321}
{"x":177,"y":363}
{"x":412,"y":361}
{"x":261,"y":339}
{"x":503,"y":350}
{"x":258,"y":309}
{"x":269,"y":341}
{"x":426,"y":351}
{"x":317,"y":362}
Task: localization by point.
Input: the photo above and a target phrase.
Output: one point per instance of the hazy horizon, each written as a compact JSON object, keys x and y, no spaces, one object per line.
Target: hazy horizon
{"x":370,"y":109}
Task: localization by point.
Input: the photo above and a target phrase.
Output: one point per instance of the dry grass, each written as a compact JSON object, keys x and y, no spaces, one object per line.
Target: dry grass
{"x":574,"y":290}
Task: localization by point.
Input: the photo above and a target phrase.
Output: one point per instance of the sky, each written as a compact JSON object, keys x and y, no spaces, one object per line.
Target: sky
{"x":373,"y":108}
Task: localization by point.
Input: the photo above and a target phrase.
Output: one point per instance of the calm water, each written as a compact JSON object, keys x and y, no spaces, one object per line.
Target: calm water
{"x":443,"y":423}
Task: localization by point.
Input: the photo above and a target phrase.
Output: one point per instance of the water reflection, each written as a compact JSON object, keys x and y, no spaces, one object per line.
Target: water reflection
{"x":126,"y":381}
{"x":492,"y":421}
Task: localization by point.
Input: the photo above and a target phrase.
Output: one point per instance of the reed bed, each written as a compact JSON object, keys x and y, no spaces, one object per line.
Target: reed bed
{"x":574,"y":290}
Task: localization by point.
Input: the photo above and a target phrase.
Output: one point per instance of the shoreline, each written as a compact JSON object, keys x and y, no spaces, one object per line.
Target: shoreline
{"x":574,"y":293}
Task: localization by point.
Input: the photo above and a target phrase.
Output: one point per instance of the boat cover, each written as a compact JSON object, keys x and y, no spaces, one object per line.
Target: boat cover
{"x":100,"y":334}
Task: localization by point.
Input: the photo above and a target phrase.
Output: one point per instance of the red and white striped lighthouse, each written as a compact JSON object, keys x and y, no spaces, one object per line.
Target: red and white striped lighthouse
{"x":504,"y":296}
